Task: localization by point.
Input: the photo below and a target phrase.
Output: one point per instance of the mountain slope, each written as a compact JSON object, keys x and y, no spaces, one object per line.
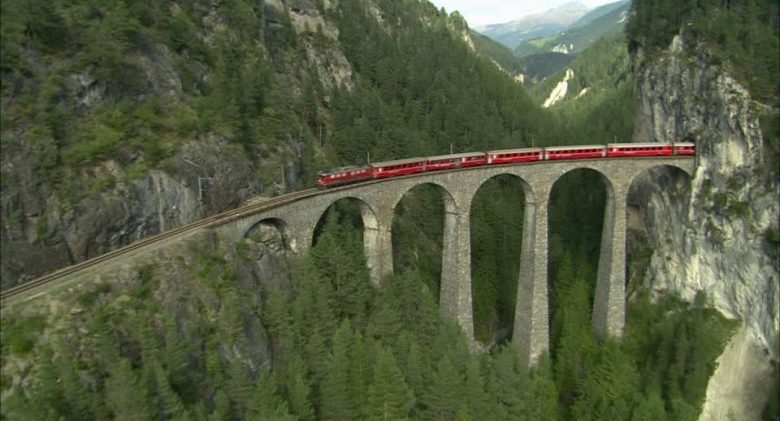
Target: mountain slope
{"x":600,"y":22}
{"x":121,"y":120}
{"x":497,"y":52}
{"x":511,"y":34}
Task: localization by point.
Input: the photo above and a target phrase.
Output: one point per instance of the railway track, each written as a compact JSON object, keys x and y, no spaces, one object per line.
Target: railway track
{"x":209,"y":222}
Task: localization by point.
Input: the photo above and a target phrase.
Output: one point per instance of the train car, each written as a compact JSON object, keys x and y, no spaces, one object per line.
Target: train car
{"x":575,"y":152}
{"x":515,"y":155}
{"x":399,"y":167}
{"x":343,"y":175}
{"x":619,"y":150}
{"x":461,"y":160}
{"x":685,"y":148}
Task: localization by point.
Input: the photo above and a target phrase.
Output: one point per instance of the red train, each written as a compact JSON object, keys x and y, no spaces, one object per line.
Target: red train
{"x":377,"y":170}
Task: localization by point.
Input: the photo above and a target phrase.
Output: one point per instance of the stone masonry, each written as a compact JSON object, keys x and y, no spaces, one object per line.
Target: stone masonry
{"x":377,"y":202}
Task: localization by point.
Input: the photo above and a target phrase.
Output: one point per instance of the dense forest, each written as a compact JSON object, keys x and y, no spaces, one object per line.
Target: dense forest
{"x":343,"y":349}
{"x":339,"y":347}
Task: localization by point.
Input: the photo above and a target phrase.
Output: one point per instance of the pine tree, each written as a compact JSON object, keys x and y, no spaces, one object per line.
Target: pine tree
{"x":125,"y":397}
{"x":415,"y":369}
{"x":169,"y":402}
{"x":649,"y":408}
{"x":239,"y":387}
{"x":336,"y":401}
{"x":506,"y":380}
{"x":389,"y":398}
{"x":299,"y":392}
{"x":542,"y":399}
{"x":222,"y":410}
{"x":445,"y":393}
{"x":360,"y":369}
{"x":477,"y":400}
{"x":265,"y":403}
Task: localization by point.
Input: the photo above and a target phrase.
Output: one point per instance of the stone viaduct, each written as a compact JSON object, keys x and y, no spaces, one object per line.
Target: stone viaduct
{"x":377,"y":202}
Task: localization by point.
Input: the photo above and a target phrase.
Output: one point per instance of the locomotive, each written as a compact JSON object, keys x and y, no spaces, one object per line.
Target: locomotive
{"x":380,"y":170}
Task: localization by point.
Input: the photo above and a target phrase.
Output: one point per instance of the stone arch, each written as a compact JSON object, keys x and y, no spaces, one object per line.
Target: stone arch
{"x":455,"y":280}
{"x":450,"y":206}
{"x":402,"y":256}
{"x":608,"y":311}
{"x":369,"y":219}
{"x":271,"y":231}
{"x":526,"y":212}
{"x":368,"y":215}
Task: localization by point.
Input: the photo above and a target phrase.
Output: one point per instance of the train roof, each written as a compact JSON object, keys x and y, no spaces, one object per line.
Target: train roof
{"x":455,"y":155}
{"x":341,"y":169}
{"x":502,"y":151}
{"x":634,"y":145}
{"x":397,"y":162}
{"x":574,"y":147}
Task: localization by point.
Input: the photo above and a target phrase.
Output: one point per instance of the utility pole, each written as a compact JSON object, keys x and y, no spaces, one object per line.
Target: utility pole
{"x":284,"y":183}
{"x":203,"y":187}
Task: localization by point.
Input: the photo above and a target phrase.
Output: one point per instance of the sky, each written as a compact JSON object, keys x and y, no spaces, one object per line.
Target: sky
{"x":484,"y":12}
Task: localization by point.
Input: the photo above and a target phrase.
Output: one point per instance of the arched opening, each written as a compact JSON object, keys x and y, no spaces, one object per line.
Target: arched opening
{"x":349,"y":213}
{"x":338,"y":256}
{"x":578,"y":203}
{"x":266,"y":243}
{"x":272,"y":232}
{"x":656,"y":208}
{"x":497,"y":212}
{"x":419,"y":221}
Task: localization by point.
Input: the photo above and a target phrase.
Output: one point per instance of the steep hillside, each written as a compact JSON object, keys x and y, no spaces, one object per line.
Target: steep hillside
{"x":601,"y":68}
{"x":710,"y":74}
{"x":121,"y":120}
{"x":496,"y":52}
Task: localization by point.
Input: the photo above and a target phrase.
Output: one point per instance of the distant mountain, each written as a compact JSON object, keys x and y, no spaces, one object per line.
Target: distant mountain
{"x":599,"y":22}
{"x":538,"y":25}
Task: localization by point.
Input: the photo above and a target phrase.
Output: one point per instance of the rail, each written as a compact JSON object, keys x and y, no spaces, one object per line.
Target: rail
{"x":48,"y":280}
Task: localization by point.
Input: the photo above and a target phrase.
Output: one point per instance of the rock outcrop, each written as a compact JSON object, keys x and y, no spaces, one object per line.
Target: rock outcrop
{"x":716,"y":240}
{"x":51,"y":222}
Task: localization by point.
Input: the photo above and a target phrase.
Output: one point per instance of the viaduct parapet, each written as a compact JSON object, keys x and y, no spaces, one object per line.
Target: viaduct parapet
{"x":377,"y":202}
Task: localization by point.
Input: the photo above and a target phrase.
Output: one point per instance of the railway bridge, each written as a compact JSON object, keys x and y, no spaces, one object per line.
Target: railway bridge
{"x":377,"y":202}
{"x":297,"y":214}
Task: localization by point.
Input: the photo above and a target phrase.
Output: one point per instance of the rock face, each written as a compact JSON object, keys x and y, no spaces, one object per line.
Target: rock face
{"x":47,"y":232}
{"x":716,"y":240}
{"x":48,"y":224}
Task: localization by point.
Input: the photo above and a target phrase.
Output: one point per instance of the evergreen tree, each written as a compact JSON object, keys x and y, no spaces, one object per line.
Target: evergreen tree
{"x":265,"y":403}
{"x":169,"y":403}
{"x":336,"y":401}
{"x":299,"y":393}
{"x":124,"y":396}
{"x":415,"y":369}
{"x":389,"y":398}
{"x":649,"y":408}
{"x":445,"y":395}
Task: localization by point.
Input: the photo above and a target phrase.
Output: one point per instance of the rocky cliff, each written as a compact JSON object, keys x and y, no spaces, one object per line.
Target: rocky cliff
{"x":719,"y":238}
{"x":55,"y":214}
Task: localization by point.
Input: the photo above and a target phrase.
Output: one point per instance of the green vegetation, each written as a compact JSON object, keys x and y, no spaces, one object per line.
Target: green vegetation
{"x":346,"y":350}
{"x":743,"y":33}
{"x":201,"y":341}
{"x":495,"y":51}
